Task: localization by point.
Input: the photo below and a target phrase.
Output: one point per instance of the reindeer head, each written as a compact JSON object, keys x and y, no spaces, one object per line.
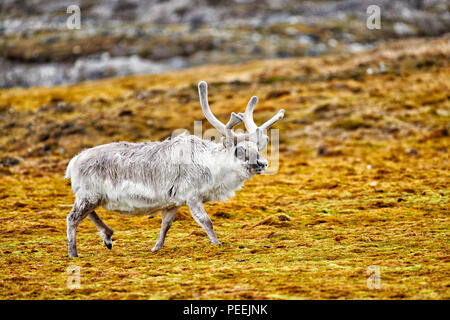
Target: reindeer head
{"x":246,"y":147}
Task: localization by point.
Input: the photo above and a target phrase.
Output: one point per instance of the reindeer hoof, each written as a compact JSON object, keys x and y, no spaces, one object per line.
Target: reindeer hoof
{"x":108,"y":245}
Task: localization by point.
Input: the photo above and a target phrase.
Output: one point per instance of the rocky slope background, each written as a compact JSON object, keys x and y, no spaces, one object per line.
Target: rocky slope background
{"x":123,"y":37}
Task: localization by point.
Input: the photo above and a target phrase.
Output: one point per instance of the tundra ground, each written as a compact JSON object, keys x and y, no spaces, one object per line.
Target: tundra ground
{"x":363,"y":181}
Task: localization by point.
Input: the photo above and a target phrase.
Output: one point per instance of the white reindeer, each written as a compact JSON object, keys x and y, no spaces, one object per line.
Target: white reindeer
{"x":141,"y":178}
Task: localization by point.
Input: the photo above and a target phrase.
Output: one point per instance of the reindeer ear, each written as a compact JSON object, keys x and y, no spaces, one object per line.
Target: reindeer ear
{"x":262,"y":139}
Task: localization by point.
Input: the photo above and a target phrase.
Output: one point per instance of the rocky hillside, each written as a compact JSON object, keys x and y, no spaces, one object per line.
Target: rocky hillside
{"x":128,"y":37}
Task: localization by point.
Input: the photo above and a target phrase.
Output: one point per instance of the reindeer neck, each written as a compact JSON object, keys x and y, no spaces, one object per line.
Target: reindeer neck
{"x":232,"y":170}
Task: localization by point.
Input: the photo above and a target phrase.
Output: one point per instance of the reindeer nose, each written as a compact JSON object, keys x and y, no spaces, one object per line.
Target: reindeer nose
{"x":262,"y":162}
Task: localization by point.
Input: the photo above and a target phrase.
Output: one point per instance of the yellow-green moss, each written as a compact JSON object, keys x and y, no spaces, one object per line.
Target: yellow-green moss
{"x":310,"y":231}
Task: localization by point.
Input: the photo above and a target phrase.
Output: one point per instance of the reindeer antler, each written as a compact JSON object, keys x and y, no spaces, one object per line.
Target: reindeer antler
{"x":272,"y":121}
{"x":235,"y":119}
{"x":254,"y":132}
{"x":250,"y":124}
{"x":216,"y":123}
{"x":247,"y":116}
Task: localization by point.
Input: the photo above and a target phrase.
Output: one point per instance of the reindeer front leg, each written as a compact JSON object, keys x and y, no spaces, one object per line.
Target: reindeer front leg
{"x":167,"y":219}
{"x":199,"y":214}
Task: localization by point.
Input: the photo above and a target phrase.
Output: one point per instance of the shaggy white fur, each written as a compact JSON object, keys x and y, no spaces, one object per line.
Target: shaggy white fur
{"x":141,"y":178}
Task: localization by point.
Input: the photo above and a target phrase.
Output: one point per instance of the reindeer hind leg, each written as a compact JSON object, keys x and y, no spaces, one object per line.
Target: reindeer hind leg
{"x":80,"y":210}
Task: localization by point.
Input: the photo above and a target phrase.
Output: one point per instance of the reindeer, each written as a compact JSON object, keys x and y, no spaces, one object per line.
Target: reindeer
{"x":141,"y":178}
